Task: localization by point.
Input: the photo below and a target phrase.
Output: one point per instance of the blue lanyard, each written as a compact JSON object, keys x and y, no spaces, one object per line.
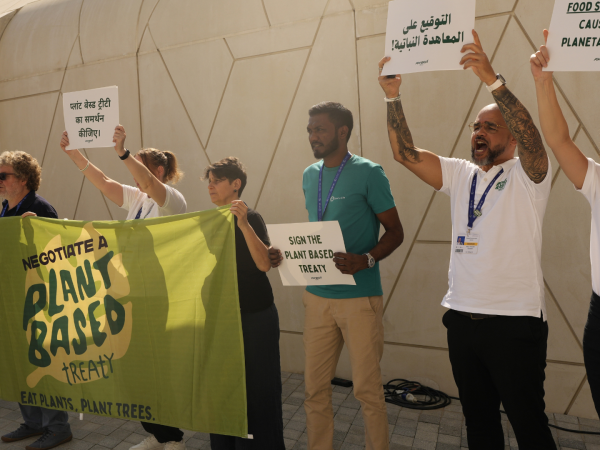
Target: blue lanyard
{"x":475,"y":213}
{"x":18,"y":206}
{"x":321,"y":210}
{"x":140,"y":212}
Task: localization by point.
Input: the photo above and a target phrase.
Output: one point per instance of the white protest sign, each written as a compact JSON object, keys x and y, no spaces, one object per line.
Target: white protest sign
{"x":427,"y":35}
{"x":307,"y":250}
{"x":574,"y":37}
{"x":91,"y":117}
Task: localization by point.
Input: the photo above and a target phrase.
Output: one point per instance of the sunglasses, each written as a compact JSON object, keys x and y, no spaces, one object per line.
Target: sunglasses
{"x":4,"y":175}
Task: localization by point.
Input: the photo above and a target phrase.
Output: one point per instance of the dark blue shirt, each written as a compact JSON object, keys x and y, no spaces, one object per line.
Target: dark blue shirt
{"x":33,"y":203}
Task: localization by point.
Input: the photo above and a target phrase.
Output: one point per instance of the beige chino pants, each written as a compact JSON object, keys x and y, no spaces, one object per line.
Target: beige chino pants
{"x":329,"y":323}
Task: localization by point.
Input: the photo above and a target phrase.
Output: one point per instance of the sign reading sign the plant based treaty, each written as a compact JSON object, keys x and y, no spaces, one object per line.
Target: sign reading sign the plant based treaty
{"x":136,"y":319}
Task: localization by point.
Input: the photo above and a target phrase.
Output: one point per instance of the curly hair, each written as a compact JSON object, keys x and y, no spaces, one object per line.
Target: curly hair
{"x":26,"y":167}
{"x":230,"y":168}
{"x":154,"y":158}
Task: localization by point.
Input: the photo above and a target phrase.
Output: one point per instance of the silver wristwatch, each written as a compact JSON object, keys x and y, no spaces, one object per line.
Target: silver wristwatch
{"x":370,"y":260}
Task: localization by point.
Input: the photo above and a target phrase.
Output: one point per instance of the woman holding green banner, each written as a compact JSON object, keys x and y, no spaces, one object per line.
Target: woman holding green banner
{"x":151,"y":169}
{"x":260,"y":320}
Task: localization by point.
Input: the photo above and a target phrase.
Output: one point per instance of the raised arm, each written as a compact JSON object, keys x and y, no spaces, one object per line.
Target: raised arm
{"x":554,"y":126}
{"x":531,"y":148}
{"x":147,"y":181}
{"x":110,"y":188}
{"x":422,"y":163}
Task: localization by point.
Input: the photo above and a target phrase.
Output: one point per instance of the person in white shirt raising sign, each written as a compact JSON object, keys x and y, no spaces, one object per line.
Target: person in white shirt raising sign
{"x":151,"y":169}
{"x":496,"y":322}
{"x":584,"y":173}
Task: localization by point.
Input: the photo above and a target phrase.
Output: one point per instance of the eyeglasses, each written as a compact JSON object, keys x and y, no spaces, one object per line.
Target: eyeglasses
{"x":4,"y":175}
{"x":489,"y":127}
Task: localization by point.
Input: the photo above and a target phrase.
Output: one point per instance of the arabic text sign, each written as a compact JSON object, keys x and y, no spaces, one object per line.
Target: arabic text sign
{"x":574,"y":38}
{"x":91,"y":117}
{"x":307,"y":250}
{"x":427,"y":35}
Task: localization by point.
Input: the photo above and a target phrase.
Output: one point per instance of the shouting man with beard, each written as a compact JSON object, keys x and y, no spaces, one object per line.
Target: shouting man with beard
{"x":355,"y":192}
{"x":496,"y":318}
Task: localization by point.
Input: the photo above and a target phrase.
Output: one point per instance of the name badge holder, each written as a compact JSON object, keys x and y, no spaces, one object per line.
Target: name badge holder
{"x":140,"y":212}
{"x":321,"y":210}
{"x":18,"y":206}
{"x":468,"y":244}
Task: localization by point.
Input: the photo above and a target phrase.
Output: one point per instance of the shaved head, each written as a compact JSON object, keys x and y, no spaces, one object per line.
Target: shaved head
{"x":491,"y":107}
{"x":495,"y":110}
{"x":489,"y":147}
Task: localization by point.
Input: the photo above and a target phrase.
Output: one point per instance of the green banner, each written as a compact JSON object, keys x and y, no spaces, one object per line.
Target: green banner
{"x":134,"y":319}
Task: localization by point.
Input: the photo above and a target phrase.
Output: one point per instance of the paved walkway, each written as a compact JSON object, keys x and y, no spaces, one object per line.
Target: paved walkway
{"x":441,"y":429}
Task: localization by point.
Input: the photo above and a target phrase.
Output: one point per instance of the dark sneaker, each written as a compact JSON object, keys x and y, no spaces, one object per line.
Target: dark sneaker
{"x":23,"y":432}
{"x":50,"y":440}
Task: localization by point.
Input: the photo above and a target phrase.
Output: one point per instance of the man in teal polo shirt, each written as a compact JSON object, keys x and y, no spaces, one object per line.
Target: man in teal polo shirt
{"x":355,"y":192}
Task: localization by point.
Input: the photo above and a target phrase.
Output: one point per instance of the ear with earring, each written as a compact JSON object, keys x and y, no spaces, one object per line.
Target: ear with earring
{"x":235,"y":190}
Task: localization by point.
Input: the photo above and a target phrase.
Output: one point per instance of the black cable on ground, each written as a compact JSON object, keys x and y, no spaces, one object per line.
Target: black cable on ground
{"x":404,"y":393}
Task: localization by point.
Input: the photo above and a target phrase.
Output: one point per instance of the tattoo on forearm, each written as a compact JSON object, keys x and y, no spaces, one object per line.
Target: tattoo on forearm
{"x":397,"y":123}
{"x":531,"y":148}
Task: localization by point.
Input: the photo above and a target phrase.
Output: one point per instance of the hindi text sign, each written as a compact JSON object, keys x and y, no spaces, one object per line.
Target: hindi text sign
{"x":574,"y":37}
{"x":91,"y":117}
{"x":307,"y":250}
{"x":427,"y":35}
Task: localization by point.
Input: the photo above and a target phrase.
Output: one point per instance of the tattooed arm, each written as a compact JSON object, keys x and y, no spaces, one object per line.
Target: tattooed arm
{"x":531,"y":149}
{"x":424,"y":164}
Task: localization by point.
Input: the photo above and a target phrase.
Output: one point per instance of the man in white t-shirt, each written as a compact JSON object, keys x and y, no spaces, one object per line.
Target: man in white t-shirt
{"x":584,"y":173}
{"x":497,"y":330}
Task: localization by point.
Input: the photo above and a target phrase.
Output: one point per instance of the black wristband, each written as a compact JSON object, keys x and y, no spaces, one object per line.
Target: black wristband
{"x":126,"y":155}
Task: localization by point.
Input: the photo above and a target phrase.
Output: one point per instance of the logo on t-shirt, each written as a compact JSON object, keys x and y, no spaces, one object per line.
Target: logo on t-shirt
{"x":501,"y":185}
{"x":336,"y":198}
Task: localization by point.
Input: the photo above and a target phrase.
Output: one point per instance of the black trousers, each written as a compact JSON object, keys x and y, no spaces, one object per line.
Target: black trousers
{"x":591,"y":349}
{"x":163,"y":433}
{"x":500,"y":360}
{"x":263,"y":385}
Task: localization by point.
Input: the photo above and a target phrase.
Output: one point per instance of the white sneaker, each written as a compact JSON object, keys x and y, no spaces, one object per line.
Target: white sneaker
{"x":150,"y":443}
{"x":173,"y":445}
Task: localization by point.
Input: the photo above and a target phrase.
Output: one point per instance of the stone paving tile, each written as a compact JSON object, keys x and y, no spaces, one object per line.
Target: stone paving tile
{"x":134,"y":438}
{"x":450,"y":440}
{"x":290,"y":433}
{"x":94,"y":437}
{"x":109,"y":442}
{"x":565,"y":418}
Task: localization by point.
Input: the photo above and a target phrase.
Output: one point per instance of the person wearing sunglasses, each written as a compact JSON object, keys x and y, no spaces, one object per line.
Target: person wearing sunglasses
{"x":20,"y":178}
{"x":151,"y":169}
{"x":496,"y":319}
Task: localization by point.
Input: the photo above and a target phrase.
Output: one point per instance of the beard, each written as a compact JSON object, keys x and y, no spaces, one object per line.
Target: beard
{"x":327,"y":150}
{"x":492,"y":155}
